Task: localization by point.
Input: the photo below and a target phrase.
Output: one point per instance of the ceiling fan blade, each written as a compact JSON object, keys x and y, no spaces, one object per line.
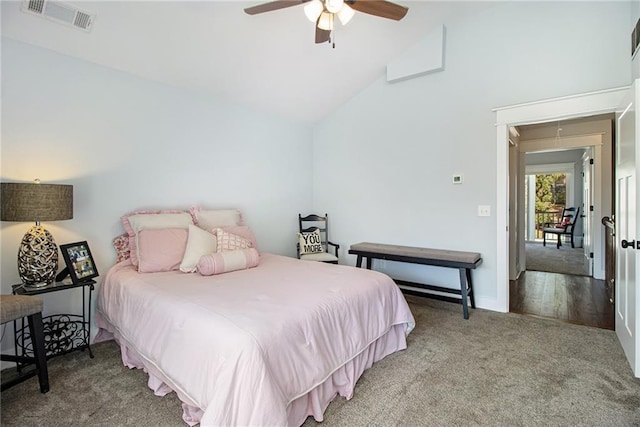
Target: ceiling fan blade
{"x":384,"y":9}
{"x":274,"y":5}
{"x":322,"y":35}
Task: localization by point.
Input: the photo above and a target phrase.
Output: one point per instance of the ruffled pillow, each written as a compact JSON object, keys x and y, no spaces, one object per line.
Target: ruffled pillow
{"x":224,"y":262}
{"x":208,"y":219}
{"x":141,"y":220}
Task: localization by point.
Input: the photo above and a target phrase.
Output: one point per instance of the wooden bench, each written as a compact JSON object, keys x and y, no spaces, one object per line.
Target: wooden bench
{"x":463,"y":261}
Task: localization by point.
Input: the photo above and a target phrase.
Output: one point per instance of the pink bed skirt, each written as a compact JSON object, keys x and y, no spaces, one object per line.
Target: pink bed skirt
{"x":314,"y":402}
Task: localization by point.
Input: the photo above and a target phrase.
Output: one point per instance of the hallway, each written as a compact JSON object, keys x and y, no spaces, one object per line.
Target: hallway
{"x":574,"y":299}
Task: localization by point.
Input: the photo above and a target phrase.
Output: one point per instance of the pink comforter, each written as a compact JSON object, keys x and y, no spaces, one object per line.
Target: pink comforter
{"x":239,"y":347}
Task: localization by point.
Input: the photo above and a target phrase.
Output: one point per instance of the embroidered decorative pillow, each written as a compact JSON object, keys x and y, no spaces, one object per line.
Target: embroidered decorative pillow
{"x":161,"y":249}
{"x":243,"y":231}
{"x":224,"y":262}
{"x":310,"y":243}
{"x":199,"y":243}
{"x":121,"y":245}
{"x":140,"y":220}
{"x":229,"y":242}
{"x":210,"y":219}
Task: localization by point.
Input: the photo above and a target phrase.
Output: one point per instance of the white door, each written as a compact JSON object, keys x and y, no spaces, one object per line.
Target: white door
{"x":626,"y":295}
{"x":587,"y":213}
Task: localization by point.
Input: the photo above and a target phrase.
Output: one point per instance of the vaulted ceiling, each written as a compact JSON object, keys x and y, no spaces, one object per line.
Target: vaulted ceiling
{"x":268,"y":62}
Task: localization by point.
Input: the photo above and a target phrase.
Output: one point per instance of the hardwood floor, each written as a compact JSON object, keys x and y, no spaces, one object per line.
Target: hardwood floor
{"x":574,"y":299}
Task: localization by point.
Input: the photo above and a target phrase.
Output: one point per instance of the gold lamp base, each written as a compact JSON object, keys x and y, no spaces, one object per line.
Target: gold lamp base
{"x":37,"y":257}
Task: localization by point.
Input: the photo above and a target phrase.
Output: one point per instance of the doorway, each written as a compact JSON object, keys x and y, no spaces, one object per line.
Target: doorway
{"x":508,"y":245}
{"x":588,"y":104}
{"x":556,"y":281}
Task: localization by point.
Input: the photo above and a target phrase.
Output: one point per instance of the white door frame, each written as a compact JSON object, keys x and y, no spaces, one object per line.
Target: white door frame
{"x":564,"y":108}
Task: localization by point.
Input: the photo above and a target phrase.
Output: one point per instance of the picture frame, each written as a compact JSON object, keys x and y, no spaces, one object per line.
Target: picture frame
{"x":80,"y":264}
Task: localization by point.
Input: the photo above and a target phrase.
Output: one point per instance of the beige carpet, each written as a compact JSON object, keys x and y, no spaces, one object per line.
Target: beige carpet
{"x":565,"y":260}
{"x":491,"y":370}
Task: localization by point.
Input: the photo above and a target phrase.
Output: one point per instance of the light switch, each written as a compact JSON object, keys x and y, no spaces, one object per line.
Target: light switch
{"x":484,"y":210}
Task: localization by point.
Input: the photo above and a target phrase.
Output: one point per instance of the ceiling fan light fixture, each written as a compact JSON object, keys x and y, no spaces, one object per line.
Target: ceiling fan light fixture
{"x":326,"y":21}
{"x":345,"y":14}
{"x":313,"y":10}
{"x":333,"y":6}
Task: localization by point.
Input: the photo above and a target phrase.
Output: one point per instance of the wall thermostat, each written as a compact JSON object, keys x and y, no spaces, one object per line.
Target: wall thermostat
{"x":457,"y":179}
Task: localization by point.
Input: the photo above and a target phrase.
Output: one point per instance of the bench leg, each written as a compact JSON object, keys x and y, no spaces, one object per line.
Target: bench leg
{"x":471,"y":297}
{"x":359,"y":261}
{"x":37,"y":338}
{"x":369,"y":263}
{"x":544,"y":239}
{"x":559,"y":241}
{"x":463,"y":292}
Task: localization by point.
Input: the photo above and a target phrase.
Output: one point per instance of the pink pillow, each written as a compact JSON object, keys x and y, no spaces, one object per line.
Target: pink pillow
{"x":230,"y":242}
{"x":224,"y":262}
{"x":139,"y":216}
{"x":243,"y":231}
{"x":161,"y":249}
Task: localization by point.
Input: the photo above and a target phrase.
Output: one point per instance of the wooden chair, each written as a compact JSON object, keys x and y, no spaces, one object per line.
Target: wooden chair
{"x":309,"y":224}
{"x":565,"y":227}
{"x":14,"y":307}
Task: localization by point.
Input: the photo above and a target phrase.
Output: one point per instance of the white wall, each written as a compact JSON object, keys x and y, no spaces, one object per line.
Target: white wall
{"x":126,"y":143}
{"x":384,"y":161}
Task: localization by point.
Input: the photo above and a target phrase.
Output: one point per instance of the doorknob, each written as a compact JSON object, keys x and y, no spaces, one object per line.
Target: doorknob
{"x":631,"y":244}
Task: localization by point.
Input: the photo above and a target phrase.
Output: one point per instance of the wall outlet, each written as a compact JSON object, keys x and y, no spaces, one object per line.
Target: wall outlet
{"x":484,"y":210}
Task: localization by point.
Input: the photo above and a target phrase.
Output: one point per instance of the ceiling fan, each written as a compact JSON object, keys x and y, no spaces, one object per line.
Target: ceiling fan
{"x":323,"y":12}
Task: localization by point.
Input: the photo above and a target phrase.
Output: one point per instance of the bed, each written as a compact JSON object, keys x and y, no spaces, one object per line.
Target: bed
{"x":263,"y":346}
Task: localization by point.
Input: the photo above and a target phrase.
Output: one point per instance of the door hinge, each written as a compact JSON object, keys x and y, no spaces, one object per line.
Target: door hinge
{"x":591,"y":208}
{"x":590,"y":161}
{"x":590,"y":254}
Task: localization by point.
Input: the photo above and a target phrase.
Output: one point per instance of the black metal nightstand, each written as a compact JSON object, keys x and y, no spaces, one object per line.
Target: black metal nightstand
{"x":63,"y":333}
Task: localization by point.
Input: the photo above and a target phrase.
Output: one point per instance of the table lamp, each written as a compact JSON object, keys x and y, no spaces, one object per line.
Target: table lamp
{"x":38,"y":253}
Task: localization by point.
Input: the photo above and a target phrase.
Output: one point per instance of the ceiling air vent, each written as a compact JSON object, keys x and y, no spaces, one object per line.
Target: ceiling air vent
{"x":60,"y":12}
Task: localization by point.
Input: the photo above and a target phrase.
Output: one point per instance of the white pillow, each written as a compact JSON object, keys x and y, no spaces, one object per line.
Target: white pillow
{"x":199,"y":243}
{"x":310,"y":243}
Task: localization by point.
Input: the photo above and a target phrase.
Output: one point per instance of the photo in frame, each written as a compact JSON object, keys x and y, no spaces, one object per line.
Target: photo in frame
{"x":77,"y":257}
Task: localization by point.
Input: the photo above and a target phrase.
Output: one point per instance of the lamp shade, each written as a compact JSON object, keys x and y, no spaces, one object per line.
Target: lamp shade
{"x":35,"y":202}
